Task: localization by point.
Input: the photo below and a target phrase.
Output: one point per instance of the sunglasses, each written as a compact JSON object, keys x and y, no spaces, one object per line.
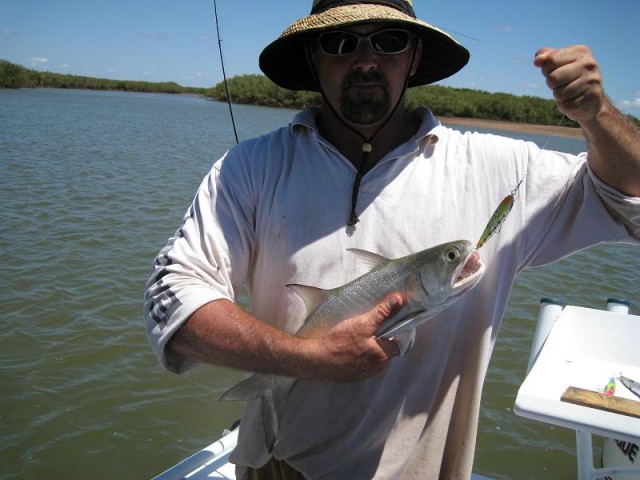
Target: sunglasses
{"x":387,"y":42}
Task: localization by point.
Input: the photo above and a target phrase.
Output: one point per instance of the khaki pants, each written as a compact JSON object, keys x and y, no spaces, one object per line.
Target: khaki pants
{"x":273,"y":470}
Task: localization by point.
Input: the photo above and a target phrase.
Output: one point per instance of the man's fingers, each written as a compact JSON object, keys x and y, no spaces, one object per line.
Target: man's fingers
{"x":389,"y":347}
{"x":573,"y":75}
{"x":388,"y":308}
{"x":541,"y":56}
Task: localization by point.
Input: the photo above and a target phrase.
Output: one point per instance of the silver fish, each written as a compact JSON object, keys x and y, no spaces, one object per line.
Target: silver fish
{"x":430,"y":280}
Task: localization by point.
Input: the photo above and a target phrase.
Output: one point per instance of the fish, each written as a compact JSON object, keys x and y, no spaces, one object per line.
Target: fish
{"x":429,"y":280}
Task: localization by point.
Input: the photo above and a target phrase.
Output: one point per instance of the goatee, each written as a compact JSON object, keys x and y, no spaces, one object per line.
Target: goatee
{"x":363,"y":107}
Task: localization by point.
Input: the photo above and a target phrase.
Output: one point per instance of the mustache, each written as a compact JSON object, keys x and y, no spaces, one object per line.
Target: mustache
{"x":364,"y":77}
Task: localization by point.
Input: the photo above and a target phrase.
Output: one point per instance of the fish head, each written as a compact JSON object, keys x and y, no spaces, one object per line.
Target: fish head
{"x":449,"y":271}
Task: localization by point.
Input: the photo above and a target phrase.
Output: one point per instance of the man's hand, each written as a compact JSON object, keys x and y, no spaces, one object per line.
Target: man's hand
{"x":574,"y":77}
{"x":350,"y":351}
{"x":614,"y":150}
{"x":221,"y":333}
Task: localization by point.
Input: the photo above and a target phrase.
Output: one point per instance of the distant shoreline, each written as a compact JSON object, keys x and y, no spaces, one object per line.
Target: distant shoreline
{"x":558,"y":131}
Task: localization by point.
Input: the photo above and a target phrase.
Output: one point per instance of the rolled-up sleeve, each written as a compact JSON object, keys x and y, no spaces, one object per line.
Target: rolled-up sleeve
{"x":624,"y":208}
{"x":205,"y":260}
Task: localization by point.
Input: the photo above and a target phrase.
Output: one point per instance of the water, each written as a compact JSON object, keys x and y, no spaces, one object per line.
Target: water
{"x":91,"y":186}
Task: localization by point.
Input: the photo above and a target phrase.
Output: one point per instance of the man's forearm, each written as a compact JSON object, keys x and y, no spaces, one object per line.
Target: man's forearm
{"x":614,"y":149}
{"x":221,"y":333}
{"x":614,"y":141}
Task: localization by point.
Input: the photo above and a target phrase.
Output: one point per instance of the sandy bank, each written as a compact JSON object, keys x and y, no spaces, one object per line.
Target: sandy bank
{"x":515,"y":127}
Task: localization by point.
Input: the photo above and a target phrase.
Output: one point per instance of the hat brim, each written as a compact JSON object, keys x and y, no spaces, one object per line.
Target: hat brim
{"x":284,"y":61}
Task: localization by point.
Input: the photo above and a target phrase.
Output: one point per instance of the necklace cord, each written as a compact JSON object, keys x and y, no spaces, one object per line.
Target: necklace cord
{"x":366,"y":145}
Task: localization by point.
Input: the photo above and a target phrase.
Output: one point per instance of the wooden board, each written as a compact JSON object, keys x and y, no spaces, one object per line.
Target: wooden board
{"x":588,"y":398}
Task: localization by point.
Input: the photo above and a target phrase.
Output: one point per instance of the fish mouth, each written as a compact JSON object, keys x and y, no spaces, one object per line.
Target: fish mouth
{"x":468,"y":274}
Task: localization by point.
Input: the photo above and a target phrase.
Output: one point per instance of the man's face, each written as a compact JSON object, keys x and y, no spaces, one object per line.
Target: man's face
{"x":364,"y":86}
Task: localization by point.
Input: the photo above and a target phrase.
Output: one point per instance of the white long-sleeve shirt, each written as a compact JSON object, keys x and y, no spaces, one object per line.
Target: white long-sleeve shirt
{"x":274,"y":211}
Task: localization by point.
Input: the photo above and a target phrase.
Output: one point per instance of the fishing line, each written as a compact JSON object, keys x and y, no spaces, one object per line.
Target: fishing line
{"x":514,"y":55}
{"x":224,"y":75}
{"x":504,"y":207}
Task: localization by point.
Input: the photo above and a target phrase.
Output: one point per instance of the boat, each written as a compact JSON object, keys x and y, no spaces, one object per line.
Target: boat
{"x":212,"y":462}
{"x":573,"y":348}
{"x":576,"y":356}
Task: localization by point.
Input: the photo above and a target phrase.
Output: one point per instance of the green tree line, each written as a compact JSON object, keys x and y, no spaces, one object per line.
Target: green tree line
{"x":443,"y":101}
{"x":16,"y":76}
{"x":259,"y":90}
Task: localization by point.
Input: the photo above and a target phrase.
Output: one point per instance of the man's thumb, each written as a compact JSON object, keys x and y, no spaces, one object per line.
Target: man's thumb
{"x":394,"y":303}
{"x":390,"y":310}
{"x":541,"y":56}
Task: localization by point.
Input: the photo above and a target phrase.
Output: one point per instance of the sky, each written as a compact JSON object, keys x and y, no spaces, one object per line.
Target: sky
{"x":172,"y":40}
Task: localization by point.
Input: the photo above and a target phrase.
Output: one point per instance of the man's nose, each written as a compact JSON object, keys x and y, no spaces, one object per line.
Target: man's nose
{"x":365,"y":57}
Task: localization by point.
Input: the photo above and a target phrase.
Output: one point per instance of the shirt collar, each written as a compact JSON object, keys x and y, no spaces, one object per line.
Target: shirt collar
{"x":307,"y":119}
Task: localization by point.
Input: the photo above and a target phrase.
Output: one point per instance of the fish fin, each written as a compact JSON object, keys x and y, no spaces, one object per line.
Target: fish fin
{"x":250,"y":388}
{"x":369,"y":259}
{"x":264,"y":388}
{"x":269,"y":420}
{"x":312,"y":296}
{"x":393,"y":327}
{"x":396,"y":318}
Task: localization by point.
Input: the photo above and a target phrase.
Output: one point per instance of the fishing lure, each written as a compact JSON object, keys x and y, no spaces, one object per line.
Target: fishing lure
{"x":632,"y":385}
{"x":502,"y":212}
{"x":610,"y":387}
{"x":499,"y":216}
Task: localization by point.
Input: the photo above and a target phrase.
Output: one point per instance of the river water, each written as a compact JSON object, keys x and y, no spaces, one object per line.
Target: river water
{"x":92,"y":184}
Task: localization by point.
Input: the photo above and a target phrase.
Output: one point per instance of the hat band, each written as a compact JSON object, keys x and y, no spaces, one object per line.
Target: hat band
{"x":402,"y":5}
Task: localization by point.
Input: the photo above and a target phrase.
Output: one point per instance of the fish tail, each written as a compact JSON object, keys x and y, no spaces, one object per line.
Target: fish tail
{"x":256,"y":386}
{"x":270,"y":420}
{"x":261,"y":387}
{"x":249,"y":389}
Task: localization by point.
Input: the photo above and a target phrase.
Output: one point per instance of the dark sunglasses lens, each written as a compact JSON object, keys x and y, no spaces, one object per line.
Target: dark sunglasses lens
{"x":390,"y":41}
{"x":338,"y":43}
{"x":346,"y":43}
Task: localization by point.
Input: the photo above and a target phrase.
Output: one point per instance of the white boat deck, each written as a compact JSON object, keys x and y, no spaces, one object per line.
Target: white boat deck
{"x":583,"y":348}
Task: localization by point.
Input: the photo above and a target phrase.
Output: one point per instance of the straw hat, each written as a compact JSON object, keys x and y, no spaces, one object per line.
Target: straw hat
{"x":285,"y":62}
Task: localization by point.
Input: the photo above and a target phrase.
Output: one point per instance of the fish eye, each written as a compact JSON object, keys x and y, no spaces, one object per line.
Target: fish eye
{"x":452,"y":255}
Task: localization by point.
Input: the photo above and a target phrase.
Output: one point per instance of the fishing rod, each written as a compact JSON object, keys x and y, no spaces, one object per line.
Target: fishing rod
{"x":224,"y":75}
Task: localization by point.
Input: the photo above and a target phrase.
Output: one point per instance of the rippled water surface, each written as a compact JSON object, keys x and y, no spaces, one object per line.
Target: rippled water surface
{"x":92,"y":185}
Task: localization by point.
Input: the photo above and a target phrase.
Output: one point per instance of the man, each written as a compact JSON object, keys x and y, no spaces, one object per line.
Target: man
{"x":363,"y":171}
